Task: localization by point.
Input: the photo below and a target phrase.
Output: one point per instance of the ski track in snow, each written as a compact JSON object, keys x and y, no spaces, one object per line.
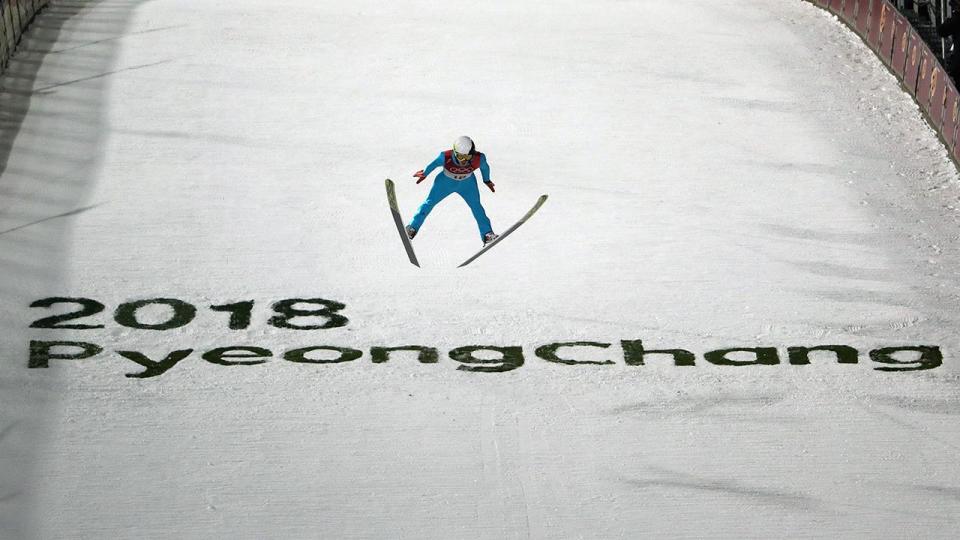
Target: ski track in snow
{"x":721,"y":174}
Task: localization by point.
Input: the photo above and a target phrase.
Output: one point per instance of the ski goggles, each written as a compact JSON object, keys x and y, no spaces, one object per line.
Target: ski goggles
{"x":462,"y":158}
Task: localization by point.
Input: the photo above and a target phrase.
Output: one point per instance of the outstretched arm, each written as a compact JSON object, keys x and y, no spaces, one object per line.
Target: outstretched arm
{"x":485,"y":173}
{"x":422,"y":174}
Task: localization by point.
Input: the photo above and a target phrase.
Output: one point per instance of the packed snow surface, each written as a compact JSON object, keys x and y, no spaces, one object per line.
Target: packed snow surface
{"x":731,"y":174}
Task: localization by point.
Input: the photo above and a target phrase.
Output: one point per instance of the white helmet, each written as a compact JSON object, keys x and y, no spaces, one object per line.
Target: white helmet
{"x":463,"y":147}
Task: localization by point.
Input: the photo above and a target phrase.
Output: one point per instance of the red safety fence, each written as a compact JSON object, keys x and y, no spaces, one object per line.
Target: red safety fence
{"x":913,"y":62}
{"x":938,"y":91}
{"x":951,"y":113}
{"x":899,"y":45}
{"x":849,"y":13}
{"x":887,"y":17}
{"x":924,"y":78}
{"x":15,"y":15}
{"x":880,"y":25}
{"x":863,"y":16}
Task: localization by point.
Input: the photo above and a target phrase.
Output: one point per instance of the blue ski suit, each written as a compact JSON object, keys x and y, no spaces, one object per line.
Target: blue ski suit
{"x":456,"y":178}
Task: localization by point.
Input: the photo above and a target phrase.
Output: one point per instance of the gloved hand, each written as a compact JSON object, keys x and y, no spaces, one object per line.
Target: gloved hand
{"x":420,"y":176}
{"x":490,"y":185}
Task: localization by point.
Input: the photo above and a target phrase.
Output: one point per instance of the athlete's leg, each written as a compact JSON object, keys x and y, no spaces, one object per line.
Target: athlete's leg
{"x":442,"y":187}
{"x":468,"y":190}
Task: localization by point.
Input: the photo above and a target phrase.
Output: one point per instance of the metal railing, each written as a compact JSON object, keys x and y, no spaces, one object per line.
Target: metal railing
{"x":15,"y":15}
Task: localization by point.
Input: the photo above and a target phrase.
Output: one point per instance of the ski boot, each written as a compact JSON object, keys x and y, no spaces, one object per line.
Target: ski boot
{"x":411,"y":232}
{"x":489,"y":237}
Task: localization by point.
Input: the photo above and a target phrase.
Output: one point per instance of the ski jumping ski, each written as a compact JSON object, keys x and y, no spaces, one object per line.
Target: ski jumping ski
{"x":506,"y":233}
{"x":395,"y":210}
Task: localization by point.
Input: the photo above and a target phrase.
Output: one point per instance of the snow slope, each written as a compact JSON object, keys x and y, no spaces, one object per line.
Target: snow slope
{"x":724,"y":174}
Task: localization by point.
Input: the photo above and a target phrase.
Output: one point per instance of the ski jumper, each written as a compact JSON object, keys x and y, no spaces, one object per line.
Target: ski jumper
{"x":456,"y":178}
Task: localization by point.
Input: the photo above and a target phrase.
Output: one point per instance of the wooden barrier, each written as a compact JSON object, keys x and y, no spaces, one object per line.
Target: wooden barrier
{"x":913,"y":63}
{"x":15,"y":15}
{"x":901,"y":45}
{"x":897,"y":43}
{"x":849,"y":13}
{"x":928,"y":62}
{"x":887,"y":17}
{"x":951,"y":114}
{"x":863,"y":16}
{"x":938,"y":94}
